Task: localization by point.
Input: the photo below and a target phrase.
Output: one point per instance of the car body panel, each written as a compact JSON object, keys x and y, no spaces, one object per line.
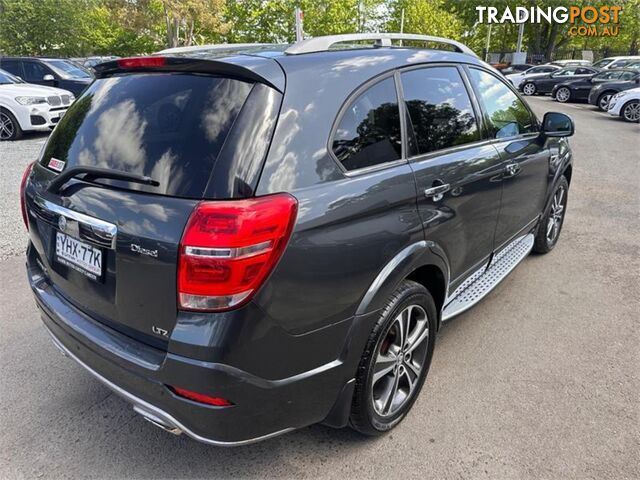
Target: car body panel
{"x":610,"y":88}
{"x":19,"y":66}
{"x":580,"y":89}
{"x":288,"y":357}
{"x":50,"y":114}
{"x":545,"y":83}
{"x":517,"y":78}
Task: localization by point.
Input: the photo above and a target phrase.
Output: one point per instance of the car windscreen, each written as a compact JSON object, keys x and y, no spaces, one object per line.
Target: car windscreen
{"x":169,"y":127}
{"x":6,"y":78}
{"x":67,"y":70}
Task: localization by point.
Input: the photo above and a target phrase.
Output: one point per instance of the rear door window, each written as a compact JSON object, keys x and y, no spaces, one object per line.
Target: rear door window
{"x":169,"y":127}
{"x":368,"y":133}
{"x":440,"y":111}
{"x":12,"y":66}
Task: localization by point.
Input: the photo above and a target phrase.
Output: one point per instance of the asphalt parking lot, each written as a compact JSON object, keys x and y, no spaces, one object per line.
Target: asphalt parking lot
{"x":540,"y":380}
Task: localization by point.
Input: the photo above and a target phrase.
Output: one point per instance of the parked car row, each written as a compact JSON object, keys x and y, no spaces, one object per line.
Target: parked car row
{"x":596,"y":84}
{"x":50,"y":72}
{"x":29,"y":107}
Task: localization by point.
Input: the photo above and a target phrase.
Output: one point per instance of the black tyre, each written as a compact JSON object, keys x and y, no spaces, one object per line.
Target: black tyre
{"x":603,"y":101}
{"x":630,"y":112}
{"x":9,"y":126}
{"x":563,"y":95}
{"x":529,"y":88}
{"x":551,"y":222}
{"x":396,"y":360}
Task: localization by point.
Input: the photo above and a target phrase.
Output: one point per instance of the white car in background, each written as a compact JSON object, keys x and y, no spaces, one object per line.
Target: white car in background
{"x":616,"y":62}
{"x":626,"y":105}
{"x":29,"y":107}
{"x":517,"y":78}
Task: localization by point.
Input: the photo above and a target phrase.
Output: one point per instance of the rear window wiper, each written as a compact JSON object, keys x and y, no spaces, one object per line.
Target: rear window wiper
{"x":91,"y":173}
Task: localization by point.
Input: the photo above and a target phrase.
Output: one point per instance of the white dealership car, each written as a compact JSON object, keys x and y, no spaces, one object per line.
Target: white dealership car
{"x":517,"y":78}
{"x":29,"y":107}
{"x":616,"y":62}
{"x":626,"y":105}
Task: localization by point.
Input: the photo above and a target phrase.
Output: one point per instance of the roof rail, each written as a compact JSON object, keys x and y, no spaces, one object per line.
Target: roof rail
{"x":321,"y":44}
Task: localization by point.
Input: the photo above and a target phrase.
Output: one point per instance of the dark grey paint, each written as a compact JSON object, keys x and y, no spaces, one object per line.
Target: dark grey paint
{"x":286,"y":359}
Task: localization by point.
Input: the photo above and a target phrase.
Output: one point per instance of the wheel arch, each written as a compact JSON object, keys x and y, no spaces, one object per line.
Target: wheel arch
{"x":432,"y":278}
{"x":626,"y":104}
{"x":12,"y":112}
{"x":567,"y":172}
{"x":416,"y":262}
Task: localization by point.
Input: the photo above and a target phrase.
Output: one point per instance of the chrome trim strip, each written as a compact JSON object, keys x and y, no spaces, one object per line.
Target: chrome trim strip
{"x":108,"y":230}
{"x":154,"y":414}
{"x":229,"y":252}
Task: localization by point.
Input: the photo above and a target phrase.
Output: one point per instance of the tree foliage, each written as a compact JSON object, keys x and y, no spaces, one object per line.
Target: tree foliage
{"x":127,"y":27}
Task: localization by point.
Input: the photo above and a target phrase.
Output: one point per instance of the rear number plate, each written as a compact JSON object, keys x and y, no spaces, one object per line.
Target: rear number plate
{"x":78,"y":255}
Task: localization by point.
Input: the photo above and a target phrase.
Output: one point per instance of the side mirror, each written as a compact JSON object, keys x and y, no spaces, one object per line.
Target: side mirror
{"x":556,"y":124}
{"x":48,"y":78}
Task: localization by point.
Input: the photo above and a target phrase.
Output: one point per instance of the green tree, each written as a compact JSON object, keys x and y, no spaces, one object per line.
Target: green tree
{"x":273,"y":21}
{"x":428,"y":17}
{"x":45,"y":27}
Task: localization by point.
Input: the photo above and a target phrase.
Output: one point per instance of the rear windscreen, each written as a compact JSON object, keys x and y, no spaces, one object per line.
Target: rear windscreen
{"x":169,"y":127}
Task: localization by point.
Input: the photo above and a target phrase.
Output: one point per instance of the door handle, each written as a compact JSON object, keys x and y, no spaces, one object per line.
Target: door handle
{"x":512,"y":170}
{"x":437,"y":192}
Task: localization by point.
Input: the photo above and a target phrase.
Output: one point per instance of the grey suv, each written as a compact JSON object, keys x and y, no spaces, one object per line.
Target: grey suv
{"x":244,"y":241}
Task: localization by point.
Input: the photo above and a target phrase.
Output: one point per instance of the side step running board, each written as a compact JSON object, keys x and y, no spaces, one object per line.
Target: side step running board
{"x":480,"y":286}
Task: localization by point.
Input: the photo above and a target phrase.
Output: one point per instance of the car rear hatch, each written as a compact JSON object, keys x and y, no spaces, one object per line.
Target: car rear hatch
{"x":115,"y":184}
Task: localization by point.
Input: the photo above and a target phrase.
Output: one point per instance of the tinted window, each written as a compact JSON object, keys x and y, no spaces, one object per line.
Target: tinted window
{"x":584,"y":71}
{"x":508,"y":116}
{"x":619,"y":63}
{"x":12,"y":66}
{"x":607,"y":75}
{"x":567,"y":72}
{"x":6,"y":78}
{"x":369,"y":131}
{"x":68,"y":69}
{"x":169,"y":127}
{"x":602,"y":63}
{"x":35,"y":72}
{"x":439,"y":109}
{"x":628,"y":75}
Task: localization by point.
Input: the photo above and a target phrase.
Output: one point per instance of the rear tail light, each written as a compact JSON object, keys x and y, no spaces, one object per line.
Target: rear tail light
{"x":141,"y":62}
{"x":229,"y":248}
{"x":23,"y":199}
{"x":200,"y":397}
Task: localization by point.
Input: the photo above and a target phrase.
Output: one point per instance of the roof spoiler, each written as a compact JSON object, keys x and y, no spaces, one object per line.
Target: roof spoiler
{"x":156,"y":64}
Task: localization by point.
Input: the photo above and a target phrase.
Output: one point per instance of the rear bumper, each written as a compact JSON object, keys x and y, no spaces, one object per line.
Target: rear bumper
{"x":140,"y":374}
{"x":152,"y":413}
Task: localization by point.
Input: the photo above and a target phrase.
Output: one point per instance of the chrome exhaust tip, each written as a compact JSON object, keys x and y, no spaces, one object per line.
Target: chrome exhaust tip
{"x":156,"y":421}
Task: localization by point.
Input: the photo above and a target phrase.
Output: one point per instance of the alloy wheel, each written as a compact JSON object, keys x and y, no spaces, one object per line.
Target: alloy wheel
{"x":563,"y":94}
{"x":631,"y":112}
{"x":604,"y":101}
{"x":7,"y":128}
{"x":529,"y":89}
{"x":556,"y":215}
{"x":400,"y":360}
